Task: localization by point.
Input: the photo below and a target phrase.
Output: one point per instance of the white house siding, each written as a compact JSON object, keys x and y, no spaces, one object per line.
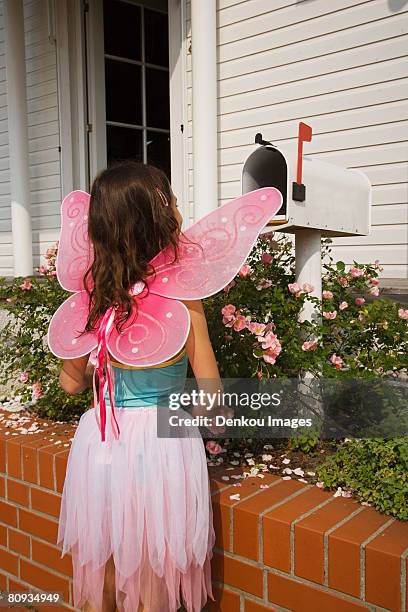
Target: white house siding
{"x":340,"y":66}
{"x":43,"y":127}
{"x":43,"y":136}
{"x":6,"y":258}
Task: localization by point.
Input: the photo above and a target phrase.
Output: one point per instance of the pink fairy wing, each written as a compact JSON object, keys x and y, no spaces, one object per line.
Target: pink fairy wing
{"x":157,"y":333}
{"x":217,"y":246}
{"x":74,"y":250}
{"x":66,"y":324}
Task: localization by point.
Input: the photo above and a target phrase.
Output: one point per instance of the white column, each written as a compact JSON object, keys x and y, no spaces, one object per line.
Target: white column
{"x":18,"y":137}
{"x":204,"y":68}
{"x":309,"y":265}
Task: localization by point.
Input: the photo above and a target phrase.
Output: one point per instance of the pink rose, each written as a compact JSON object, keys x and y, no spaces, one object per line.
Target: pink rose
{"x":256,"y":328}
{"x":327,"y":295}
{"x":343,"y":306}
{"x":266,"y":258}
{"x":403,"y":313}
{"x":330,"y":315}
{"x":229,"y":286}
{"x":259,"y":374}
{"x":308,"y":288}
{"x":356,"y":272}
{"x":336,"y":361}
{"x":294,"y":288}
{"x":269,"y":357}
{"x":42,"y":269}
{"x":264,"y":284}
{"x":245,"y":271}
{"x":343,"y":281}
{"x":359,"y":301}
{"x":26,"y":285}
{"x":273,"y":347}
{"x":213,"y":447}
{"x":240,"y":323}
{"x":374,"y":281}
{"x":228,"y":310}
{"x":269,"y":341}
{"x":375,"y":291}
{"x":24,"y":377}
{"x":309,"y":345}
{"x":37,"y":390}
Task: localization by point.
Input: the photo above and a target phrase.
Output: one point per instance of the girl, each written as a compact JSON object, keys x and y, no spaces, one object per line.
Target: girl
{"x":136,"y":513}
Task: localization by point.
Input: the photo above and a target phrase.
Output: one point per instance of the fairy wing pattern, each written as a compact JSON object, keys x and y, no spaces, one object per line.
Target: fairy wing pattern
{"x":215,"y":247}
{"x":210,"y":256}
{"x":74,"y":250}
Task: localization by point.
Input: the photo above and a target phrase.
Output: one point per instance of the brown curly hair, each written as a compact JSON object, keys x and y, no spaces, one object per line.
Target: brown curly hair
{"x":131,"y":218}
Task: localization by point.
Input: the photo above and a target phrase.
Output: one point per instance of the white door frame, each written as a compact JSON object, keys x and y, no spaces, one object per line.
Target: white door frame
{"x":96,"y":87}
{"x":178,"y":103}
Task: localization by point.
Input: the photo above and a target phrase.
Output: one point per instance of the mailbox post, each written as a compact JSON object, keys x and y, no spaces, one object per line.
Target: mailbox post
{"x":319,"y":199}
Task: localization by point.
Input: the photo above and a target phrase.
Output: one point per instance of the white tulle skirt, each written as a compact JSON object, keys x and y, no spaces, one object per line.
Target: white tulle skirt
{"x":146,"y":501}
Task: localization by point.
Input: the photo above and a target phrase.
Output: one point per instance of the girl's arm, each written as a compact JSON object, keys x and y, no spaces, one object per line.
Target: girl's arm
{"x":202,"y":359}
{"x":198,"y":346}
{"x":76,"y":375}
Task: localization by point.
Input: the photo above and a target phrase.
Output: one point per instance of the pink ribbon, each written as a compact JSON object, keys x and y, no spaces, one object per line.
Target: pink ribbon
{"x":105,"y":375}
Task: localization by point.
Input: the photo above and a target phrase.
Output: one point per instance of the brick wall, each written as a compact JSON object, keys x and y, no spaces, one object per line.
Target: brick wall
{"x":288,"y":546}
{"x":292,"y":546}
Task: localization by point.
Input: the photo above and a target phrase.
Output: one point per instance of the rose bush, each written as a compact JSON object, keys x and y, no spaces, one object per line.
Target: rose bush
{"x":255,"y":330}
{"x":25,"y":360}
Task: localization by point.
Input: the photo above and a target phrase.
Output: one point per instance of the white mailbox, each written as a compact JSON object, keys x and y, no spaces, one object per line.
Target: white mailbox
{"x":334,"y":200}
{"x":319,"y":199}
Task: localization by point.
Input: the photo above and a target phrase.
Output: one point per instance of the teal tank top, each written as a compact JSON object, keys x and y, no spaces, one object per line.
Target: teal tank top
{"x":151,"y":386}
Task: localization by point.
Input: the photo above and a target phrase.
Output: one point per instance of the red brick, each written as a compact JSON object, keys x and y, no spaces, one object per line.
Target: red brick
{"x":14,"y":459}
{"x":49,"y":503}
{"x":3,"y":582}
{"x":2,"y":487}
{"x":39,"y":526}
{"x":253,"y":606}
{"x":3,"y":535}
{"x":2,"y":455}
{"x":246,"y":515}
{"x":225,"y":601}
{"x":277,"y":526}
{"x":30,"y":471}
{"x":17,"y":492}
{"x":344,"y":549}
{"x":383,"y":566}
{"x":15,"y":585}
{"x":43,"y":579}
{"x":238,"y":574}
{"x":299,"y":597}
{"x":46,"y":468}
{"x":222,"y":503}
{"x":8,"y":514}
{"x":309,"y":537}
{"x":222,"y":523}
{"x":60,"y":469}
{"x":8,"y":561}
{"x":51,"y":557}
{"x":19,"y":542}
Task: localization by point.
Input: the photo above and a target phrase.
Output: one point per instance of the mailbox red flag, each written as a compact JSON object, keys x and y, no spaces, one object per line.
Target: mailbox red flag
{"x":305,"y":135}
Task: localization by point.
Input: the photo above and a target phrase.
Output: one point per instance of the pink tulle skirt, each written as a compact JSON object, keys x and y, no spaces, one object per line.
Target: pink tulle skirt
{"x":146,"y":501}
